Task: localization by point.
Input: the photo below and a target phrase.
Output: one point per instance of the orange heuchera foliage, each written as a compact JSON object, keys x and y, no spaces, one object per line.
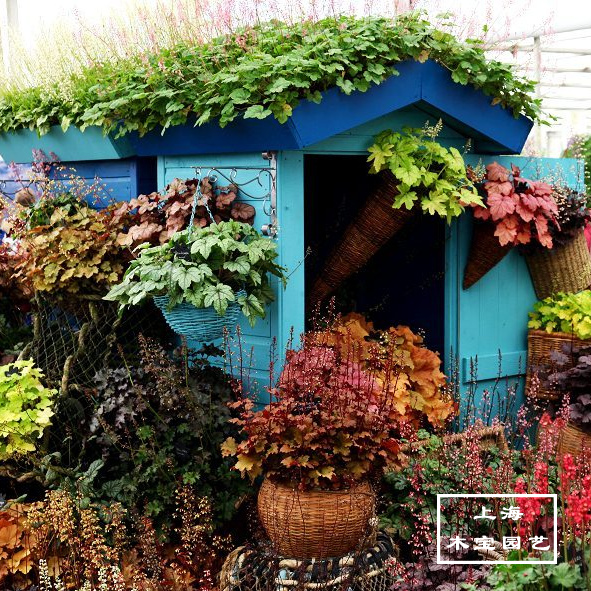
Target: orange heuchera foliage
{"x":401,"y":365}
{"x":16,"y":543}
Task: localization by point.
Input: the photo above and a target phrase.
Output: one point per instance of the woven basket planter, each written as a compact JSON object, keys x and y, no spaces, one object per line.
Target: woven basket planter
{"x":372,"y":228}
{"x":315,"y":524}
{"x":539,"y":346}
{"x":574,"y":441}
{"x":566,"y":268}
{"x":199,"y":324}
{"x":485,"y":253}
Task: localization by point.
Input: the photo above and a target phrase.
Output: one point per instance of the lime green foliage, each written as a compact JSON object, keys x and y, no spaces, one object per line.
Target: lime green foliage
{"x":429,"y":173}
{"x":205,"y":268}
{"x":564,"y":312}
{"x":257,"y":72}
{"x":25,"y":408}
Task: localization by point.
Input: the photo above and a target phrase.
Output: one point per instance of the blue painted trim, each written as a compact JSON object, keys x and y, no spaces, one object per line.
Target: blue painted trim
{"x":71,"y":146}
{"x":428,"y":85}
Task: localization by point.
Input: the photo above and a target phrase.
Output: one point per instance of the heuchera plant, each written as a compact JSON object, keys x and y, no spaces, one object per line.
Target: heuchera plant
{"x":521,"y":210}
{"x":25,"y":408}
{"x":572,"y":376}
{"x":154,"y":218}
{"x":403,"y":368}
{"x":572,"y":216}
{"x":564,"y":312}
{"x":326,"y":426}
{"x":430,"y":175}
{"x":207,"y":267}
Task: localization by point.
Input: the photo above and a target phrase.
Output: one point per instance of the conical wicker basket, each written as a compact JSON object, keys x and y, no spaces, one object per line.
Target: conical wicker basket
{"x":199,"y":324}
{"x":485,"y":253}
{"x":317,"y":523}
{"x":574,"y":441}
{"x":565,"y":268}
{"x":539,"y":346}
{"x":372,"y":228}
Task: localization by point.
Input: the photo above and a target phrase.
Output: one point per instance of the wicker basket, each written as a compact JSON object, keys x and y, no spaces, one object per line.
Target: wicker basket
{"x":574,"y":441}
{"x":566,"y":268}
{"x":485,"y":253}
{"x":199,"y":324}
{"x":539,"y":346}
{"x":315,"y":524}
{"x":372,"y":228}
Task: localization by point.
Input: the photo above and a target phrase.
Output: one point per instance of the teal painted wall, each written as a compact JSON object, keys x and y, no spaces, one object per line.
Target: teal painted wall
{"x":489,"y":318}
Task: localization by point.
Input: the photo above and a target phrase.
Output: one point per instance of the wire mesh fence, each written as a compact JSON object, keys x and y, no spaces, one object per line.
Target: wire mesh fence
{"x":75,"y":338}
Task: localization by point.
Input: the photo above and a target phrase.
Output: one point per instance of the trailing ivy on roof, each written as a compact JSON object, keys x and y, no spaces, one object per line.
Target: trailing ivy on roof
{"x":257,"y":72}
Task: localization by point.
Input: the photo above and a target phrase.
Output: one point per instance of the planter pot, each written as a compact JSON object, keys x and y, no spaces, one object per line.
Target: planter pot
{"x":372,"y":228}
{"x":539,"y":346}
{"x":71,"y":146}
{"x":485,"y":253}
{"x":315,"y":524}
{"x":566,"y":268}
{"x":574,"y":441}
{"x":199,"y":324}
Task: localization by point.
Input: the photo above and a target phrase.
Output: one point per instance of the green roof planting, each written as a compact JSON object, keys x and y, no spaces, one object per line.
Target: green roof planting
{"x":257,"y":72}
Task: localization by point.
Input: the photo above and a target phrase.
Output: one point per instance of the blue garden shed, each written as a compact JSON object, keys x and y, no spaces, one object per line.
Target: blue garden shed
{"x":307,"y":177}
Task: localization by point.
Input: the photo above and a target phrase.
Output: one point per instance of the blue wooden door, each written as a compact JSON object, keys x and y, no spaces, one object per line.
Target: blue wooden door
{"x":252,"y":174}
{"x":486,"y":325}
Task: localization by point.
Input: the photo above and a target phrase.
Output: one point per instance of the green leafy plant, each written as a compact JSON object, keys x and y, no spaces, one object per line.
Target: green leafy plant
{"x":256,"y":72}
{"x":525,"y":577}
{"x":564,"y":312}
{"x":25,"y":408}
{"x":206,"y":267}
{"x":429,"y":174}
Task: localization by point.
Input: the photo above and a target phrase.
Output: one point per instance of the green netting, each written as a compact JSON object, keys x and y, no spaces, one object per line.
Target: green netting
{"x":75,"y":337}
{"x":257,"y":569}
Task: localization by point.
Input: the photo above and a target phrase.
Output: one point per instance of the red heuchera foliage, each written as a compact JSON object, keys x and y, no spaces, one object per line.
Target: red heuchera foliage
{"x":325,"y":427}
{"x":156,"y":217}
{"x":521,"y":209}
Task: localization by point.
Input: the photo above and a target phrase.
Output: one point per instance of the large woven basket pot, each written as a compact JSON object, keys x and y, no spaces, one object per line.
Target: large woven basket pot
{"x":315,"y":524}
{"x":565,"y":268}
{"x":199,"y":324}
{"x":375,"y":224}
{"x":539,"y":346}
{"x":485,"y":253}
{"x":574,"y":441}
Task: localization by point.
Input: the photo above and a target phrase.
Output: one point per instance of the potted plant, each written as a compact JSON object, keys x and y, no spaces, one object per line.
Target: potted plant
{"x":560,"y":323}
{"x":203,"y":278}
{"x":516,"y":211}
{"x":566,"y":267}
{"x":571,"y":374}
{"x":328,"y":430}
{"x":417,"y":173}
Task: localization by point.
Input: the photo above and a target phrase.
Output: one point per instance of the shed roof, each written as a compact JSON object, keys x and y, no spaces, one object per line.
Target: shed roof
{"x":428,"y":86}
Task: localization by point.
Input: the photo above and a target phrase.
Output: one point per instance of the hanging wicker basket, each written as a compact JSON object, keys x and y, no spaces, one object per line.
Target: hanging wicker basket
{"x":199,"y":324}
{"x":372,"y":228}
{"x":565,"y":268}
{"x":485,"y":253}
{"x":574,"y":441}
{"x":317,"y":523}
{"x":539,"y":346}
